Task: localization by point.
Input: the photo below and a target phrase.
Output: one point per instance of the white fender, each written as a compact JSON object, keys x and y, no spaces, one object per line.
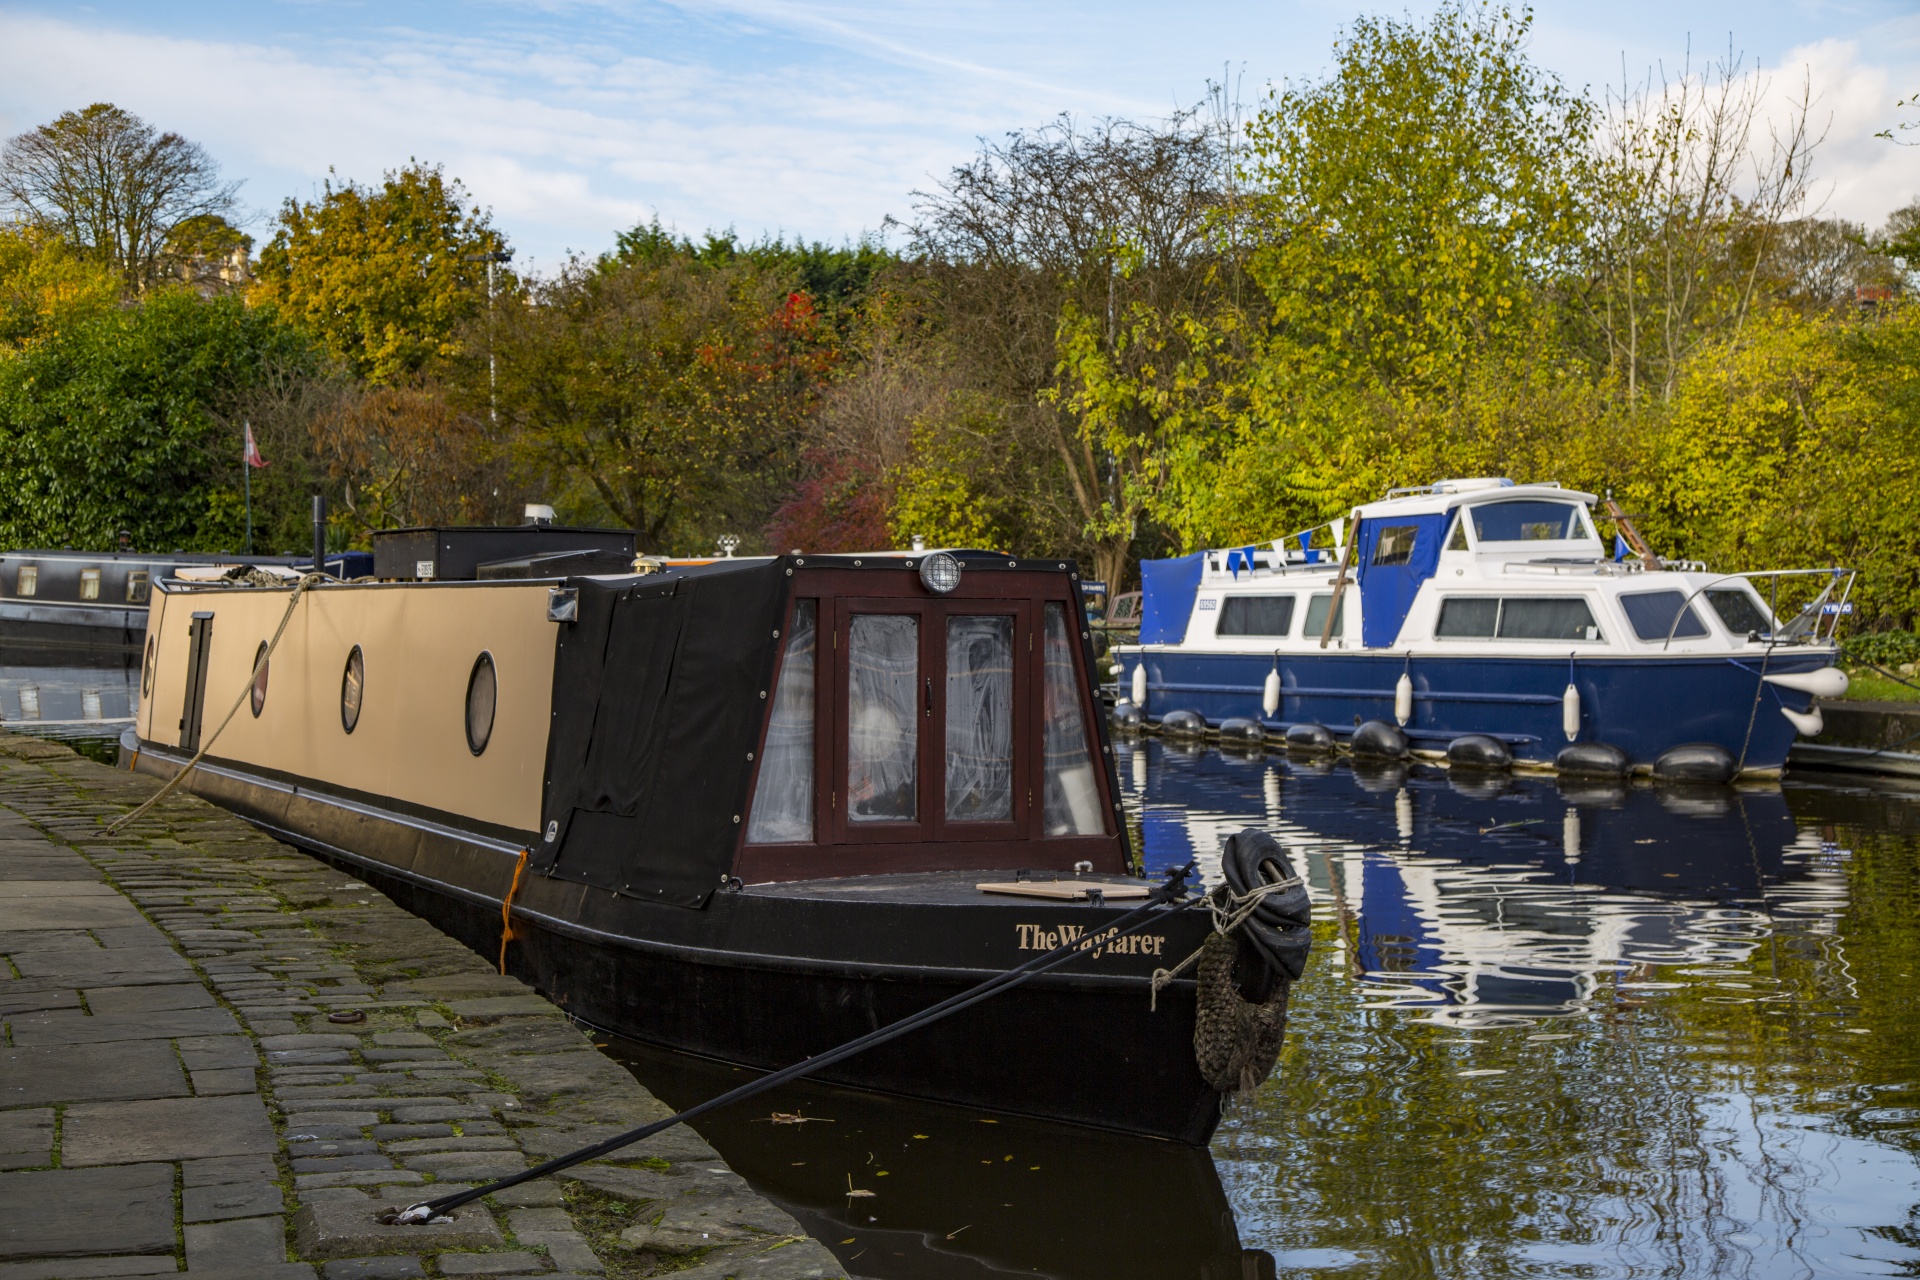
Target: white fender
{"x":1570,"y":835}
{"x":1403,"y":699}
{"x":1270,"y":693}
{"x":1570,"y":712}
{"x":1403,"y":815}
{"x":1827,"y":682}
{"x":1806,"y":723}
{"x":1140,"y":684}
{"x":1140,"y":769}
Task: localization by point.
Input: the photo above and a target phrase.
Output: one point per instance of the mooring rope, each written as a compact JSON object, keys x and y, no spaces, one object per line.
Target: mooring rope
{"x":429,"y":1211}
{"x":1230,"y":911}
{"x":299,"y":590}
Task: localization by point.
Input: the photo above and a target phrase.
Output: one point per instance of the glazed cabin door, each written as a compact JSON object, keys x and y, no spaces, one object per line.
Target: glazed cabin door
{"x":929,"y":703}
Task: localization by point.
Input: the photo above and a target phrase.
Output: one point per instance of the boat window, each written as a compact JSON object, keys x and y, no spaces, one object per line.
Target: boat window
{"x":1072,"y":804}
{"x":483,"y":692}
{"x":1527,"y":521}
{"x":27,"y":581}
{"x":1458,"y":541}
{"x":883,"y":722}
{"x":1256,"y":616}
{"x":259,"y":695}
{"x":1652,"y":614}
{"x":89,"y":584}
{"x":1316,"y":622}
{"x":783,"y":795}
{"x":1739,"y":611}
{"x":979,"y":718}
{"x":29,"y":702}
{"x":1464,"y":618}
{"x":1396,"y":544}
{"x":353,"y":684}
{"x":138,"y":585}
{"x":1547,"y":618}
{"x":1516,"y":618}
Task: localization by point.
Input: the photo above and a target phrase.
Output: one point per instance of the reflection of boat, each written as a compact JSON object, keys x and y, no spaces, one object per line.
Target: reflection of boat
{"x":1520,"y":895}
{"x":76,"y":601}
{"x":964,"y":1196}
{"x":755,"y":797}
{"x":1482,"y":607}
{"x":100,"y":692}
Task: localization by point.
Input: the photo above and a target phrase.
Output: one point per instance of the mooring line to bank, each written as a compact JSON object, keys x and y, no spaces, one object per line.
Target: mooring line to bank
{"x":1175,"y":887}
{"x":299,"y":590}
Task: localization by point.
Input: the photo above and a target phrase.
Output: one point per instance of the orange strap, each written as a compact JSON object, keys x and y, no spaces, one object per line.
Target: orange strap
{"x":506,"y":910}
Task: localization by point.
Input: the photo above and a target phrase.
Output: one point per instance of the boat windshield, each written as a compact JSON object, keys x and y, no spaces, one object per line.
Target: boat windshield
{"x":1525,"y":520}
{"x":1739,"y":611}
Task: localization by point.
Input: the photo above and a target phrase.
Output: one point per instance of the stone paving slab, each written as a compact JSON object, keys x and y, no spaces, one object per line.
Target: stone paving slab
{"x":173,"y":1100}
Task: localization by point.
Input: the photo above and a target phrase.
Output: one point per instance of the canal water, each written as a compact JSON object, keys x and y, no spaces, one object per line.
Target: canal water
{"x":1548,"y":1030}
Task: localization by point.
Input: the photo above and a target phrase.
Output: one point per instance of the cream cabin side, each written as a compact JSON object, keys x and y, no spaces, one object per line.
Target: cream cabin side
{"x":419,"y":648}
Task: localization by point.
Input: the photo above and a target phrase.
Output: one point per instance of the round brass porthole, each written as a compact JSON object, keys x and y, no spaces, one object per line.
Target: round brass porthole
{"x":259,"y":679}
{"x":146,"y":674}
{"x":353,"y":689}
{"x":483,"y":690}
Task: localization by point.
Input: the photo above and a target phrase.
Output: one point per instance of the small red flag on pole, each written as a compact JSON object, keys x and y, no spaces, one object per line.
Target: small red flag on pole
{"x":252,"y":455}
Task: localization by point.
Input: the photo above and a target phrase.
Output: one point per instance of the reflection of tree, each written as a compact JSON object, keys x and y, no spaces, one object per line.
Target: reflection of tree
{"x":1668,"y":1135}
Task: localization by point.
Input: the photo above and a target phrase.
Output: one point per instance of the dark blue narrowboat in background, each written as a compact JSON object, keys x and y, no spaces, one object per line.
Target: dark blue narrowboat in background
{"x":97,"y":600}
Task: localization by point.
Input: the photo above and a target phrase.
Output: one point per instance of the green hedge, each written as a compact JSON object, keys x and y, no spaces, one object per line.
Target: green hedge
{"x":1884,"y":648}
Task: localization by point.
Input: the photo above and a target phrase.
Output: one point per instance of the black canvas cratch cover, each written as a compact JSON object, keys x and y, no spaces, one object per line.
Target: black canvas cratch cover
{"x":659,"y":689}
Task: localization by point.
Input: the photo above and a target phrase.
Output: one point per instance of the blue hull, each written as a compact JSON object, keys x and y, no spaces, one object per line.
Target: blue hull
{"x":1641,"y":705}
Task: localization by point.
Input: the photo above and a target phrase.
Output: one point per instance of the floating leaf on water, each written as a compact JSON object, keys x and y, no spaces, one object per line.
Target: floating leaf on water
{"x":854,"y":1193}
{"x":793,"y":1117}
{"x":1483,"y":1071}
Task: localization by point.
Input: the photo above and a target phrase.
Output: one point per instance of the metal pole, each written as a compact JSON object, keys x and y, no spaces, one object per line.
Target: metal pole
{"x":246,"y":480}
{"x":493,"y":414}
{"x":319,"y":533}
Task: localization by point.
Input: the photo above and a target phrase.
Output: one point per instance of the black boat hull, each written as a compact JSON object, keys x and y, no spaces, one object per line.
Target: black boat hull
{"x":770,"y":975}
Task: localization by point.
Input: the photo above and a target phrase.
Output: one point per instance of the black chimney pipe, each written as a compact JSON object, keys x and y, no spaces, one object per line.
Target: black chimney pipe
{"x":319,"y":533}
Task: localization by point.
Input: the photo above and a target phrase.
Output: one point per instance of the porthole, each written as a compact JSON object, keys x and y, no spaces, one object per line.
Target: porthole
{"x":146,"y":674}
{"x":259,"y":679}
{"x":353,"y":688}
{"x":482,"y":694}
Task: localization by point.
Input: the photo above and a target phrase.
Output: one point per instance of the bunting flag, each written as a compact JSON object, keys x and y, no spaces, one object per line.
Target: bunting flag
{"x":251,"y":453}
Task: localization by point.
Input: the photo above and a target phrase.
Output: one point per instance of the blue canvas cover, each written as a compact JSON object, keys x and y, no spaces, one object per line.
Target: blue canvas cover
{"x":1387,"y":590}
{"x":1167,"y":589}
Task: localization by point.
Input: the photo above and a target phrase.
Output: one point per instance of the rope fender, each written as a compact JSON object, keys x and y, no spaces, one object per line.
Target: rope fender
{"x":1262,"y":931}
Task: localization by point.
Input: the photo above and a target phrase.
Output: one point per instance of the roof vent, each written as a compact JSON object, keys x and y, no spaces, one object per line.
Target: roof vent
{"x":1469,"y":486}
{"x":539,"y":513}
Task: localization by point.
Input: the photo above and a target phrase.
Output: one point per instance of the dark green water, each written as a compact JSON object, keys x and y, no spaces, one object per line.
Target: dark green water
{"x":1594,"y":1032}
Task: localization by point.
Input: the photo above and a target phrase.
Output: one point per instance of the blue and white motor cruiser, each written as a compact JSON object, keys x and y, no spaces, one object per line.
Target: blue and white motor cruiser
{"x":1485,"y":607}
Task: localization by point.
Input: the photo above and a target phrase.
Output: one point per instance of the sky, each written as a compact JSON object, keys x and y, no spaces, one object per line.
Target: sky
{"x":817,"y":119}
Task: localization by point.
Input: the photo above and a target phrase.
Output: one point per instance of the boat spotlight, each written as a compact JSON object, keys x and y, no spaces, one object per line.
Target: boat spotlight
{"x":940,"y":573}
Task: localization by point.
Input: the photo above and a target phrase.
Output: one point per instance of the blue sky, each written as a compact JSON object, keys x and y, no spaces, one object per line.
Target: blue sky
{"x":574,"y":118}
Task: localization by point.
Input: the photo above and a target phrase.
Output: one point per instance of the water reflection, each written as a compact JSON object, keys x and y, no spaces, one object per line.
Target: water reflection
{"x":1592,"y":1030}
{"x":83,"y":697}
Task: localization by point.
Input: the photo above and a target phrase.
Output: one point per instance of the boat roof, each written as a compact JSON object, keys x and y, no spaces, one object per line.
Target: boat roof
{"x":1445,"y":495}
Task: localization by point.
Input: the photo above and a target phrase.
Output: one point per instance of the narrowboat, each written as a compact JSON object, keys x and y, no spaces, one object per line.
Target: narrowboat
{"x":742,"y":808}
{"x":1486,"y":608}
{"x":84,"y":601}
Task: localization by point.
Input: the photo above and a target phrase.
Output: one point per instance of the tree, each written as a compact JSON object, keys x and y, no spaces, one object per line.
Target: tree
{"x":665,"y":392}
{"x":123,"y":420}
{"x":1074,"y":226}
{"x":1688,"y":204}
{"x":45,"y":285}
{"x":108,"y":183}
{"x":385,"y":276}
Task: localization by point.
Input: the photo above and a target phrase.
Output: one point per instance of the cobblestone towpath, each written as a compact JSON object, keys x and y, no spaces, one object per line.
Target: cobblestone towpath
{"x":175,"y":1100}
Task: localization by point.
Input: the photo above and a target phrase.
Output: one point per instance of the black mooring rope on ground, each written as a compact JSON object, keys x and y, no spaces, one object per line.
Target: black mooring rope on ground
{"x":1175,"y":886}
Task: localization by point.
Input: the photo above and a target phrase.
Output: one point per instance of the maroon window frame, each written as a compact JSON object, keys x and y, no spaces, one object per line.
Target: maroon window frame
{"x":933,"y":842}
